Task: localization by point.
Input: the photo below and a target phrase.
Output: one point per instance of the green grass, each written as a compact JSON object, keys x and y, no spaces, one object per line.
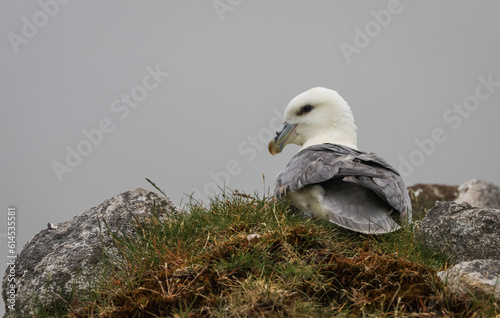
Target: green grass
{"x":203,"y":264}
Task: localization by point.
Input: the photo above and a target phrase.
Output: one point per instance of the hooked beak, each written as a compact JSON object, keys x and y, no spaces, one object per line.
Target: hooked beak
{"x":283,"y":137}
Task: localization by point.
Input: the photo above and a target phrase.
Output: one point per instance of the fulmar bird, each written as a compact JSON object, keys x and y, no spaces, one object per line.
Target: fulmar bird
{"x":329,"y":177}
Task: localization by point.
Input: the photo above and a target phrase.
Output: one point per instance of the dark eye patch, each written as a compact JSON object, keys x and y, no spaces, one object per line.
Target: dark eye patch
{"x":305,"y":109}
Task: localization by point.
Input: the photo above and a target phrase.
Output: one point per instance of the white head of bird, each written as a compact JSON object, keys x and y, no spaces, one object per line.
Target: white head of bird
{"x":317,"y":116}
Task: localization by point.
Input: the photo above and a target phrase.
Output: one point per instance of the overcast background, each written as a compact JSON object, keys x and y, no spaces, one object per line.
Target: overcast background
{"x":232,"y":68}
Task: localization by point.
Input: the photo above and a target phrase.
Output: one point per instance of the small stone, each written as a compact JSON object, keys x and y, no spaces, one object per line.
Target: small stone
{"x":51,"y":226}
{"x":253,"y":237}
{"x":480,"y":278}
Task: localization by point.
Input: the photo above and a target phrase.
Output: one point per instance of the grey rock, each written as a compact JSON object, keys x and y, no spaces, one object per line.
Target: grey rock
{"x":479,"y":278}
{"x":61,"y":258}
{"x":479,"y":194}
{"x":462,"y":232}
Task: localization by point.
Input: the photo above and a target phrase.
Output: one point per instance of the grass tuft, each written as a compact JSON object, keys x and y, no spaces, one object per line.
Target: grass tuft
{"x":242,"y":256}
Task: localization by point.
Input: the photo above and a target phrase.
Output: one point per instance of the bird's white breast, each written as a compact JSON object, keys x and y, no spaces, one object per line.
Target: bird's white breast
{"x":309,"y":200}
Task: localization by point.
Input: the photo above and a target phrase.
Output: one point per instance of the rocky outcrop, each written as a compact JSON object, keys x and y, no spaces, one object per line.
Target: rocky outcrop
{"x":480,"y":194}
{"x":425,"y":195}
{"x":477,"y":193}
{"x":462,"y":232}
{"x":62,"y":257}
{"x":478,"y":278}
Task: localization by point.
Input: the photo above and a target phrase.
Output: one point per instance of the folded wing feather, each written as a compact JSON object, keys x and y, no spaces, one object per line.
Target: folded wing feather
{"x":361,"y":190}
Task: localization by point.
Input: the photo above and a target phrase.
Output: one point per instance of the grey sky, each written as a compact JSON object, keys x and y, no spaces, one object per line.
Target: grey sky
{"x":410,"y":70}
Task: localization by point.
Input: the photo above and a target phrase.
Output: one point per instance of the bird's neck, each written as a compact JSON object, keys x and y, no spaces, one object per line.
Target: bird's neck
{"x":344,"y":138}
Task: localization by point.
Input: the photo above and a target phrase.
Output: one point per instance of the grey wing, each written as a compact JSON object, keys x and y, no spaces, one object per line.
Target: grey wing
{"x":391,"y":189}
{"x":318,"y":164}
{"x":357,"y":208}
{"x":389,"y":186}
{"x":322,"y":163}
